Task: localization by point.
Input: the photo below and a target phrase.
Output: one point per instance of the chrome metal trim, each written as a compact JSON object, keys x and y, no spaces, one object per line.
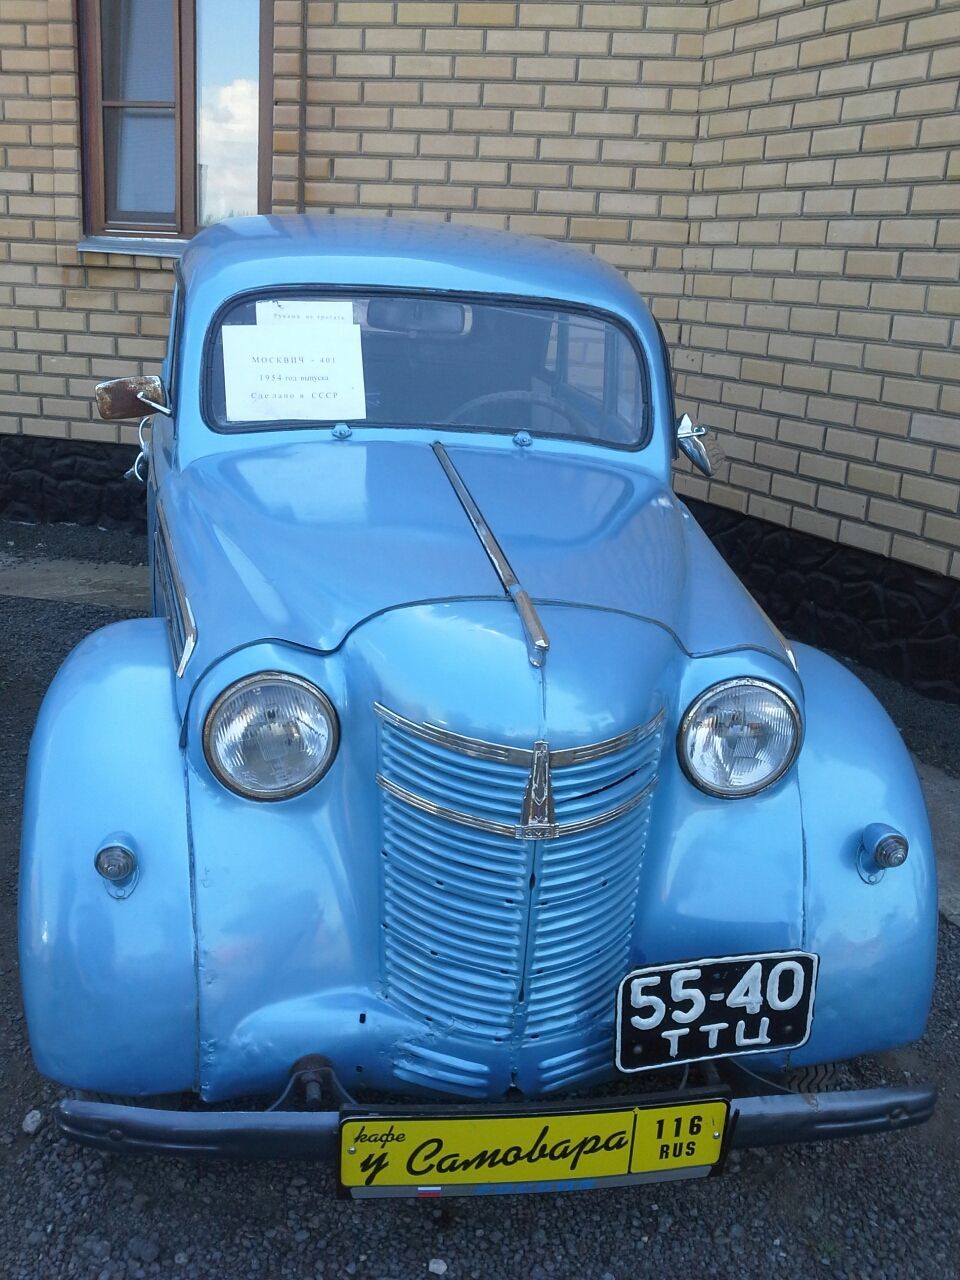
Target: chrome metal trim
{"x":474,"y":747}
{"x":599,"y":819}
{"x":265,"y":677}
{"x":538,"y":642}
{"x":183,"y":603}
{"x":483,"y":531}
{"x":609,"y":746}
{"x":688,"y":429}
{"x":553,"y":831}
{"x":521,"y":756}
{"x":538,"y":812}
{"x":710,"y":691}
{"x":787,"y":646}
{"x":439,"y":811}
{"x":157,"y":408}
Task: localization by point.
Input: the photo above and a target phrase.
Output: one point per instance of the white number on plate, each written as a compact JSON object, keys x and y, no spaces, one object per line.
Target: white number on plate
{"x":746,"y":994}
{"x":784,"y":991}
{"x":775,"y":996}
{"x":680,"y":992}
{"x":639,"y":999}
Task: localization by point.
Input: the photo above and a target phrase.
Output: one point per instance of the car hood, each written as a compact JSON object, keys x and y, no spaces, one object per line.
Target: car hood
{"x":303,"y":542}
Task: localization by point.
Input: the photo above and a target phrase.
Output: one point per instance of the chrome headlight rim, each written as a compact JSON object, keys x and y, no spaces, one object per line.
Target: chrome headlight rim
{"x":739,"y":682}
{"x":240,"y":686}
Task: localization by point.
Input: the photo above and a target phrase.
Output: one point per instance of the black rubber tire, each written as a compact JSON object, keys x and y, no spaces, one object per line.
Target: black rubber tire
{"x":819,"y":1079}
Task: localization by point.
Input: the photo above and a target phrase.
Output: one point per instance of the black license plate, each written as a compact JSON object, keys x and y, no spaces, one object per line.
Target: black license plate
{"x":671,"y":1014}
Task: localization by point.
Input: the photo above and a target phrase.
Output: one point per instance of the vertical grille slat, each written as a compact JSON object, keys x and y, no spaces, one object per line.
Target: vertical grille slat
{"x":489,"y":934}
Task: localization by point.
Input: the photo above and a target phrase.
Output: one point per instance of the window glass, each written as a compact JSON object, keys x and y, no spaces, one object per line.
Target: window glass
{"x":137,"y":50}
{"x":629,"y":385}
{"x":584,"y":340}
{"x":424,"y":362}
{"x":139,"y":155}
{"x":138,"y":112}
{"x":171,"y":124}
{"x":228,"y":96}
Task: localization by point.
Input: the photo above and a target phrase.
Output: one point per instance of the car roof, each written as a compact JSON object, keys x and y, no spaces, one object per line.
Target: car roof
{"x":259,"y":252}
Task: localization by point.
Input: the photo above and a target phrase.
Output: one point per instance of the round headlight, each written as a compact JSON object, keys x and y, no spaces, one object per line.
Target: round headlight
{"x":738,"y":737}
{"x":270,"y":736}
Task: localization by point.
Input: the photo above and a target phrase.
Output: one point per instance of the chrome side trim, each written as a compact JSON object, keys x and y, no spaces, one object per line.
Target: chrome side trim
{"x":787,"y":646}
{"x":183,"y":604}
{"x":538,"y":642}
{"x":521,"y":756}
{"x":534,"y":831}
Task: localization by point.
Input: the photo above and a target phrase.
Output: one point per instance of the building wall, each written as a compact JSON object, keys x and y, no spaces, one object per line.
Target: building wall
{"x":66,"y":320}
{"x":821,"y":301}
{"x":779,"y":178}
{"x":575,"y":121}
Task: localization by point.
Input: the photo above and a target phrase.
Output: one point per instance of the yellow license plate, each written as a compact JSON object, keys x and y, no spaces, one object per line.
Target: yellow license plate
{"x":429,"y":1153}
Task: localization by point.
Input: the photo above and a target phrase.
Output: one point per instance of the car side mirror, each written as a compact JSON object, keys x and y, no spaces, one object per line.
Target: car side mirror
{"x":699,"y":446}
{"x":131,"y":397}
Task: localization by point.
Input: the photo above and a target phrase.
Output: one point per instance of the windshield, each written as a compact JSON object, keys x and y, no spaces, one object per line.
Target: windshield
{"x":423,"y":361}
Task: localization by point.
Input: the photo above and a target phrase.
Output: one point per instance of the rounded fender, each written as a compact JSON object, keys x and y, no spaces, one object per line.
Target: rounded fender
{"x":109,"y":981}
{"x":877,"y":942}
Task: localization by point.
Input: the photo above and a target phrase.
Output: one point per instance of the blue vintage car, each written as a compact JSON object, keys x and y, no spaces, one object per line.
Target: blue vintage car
{"x":458,"y":815}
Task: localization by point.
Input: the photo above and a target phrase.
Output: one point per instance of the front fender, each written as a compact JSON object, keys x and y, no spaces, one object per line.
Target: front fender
{"x":877,"y":942}
{"x":109,"y":984}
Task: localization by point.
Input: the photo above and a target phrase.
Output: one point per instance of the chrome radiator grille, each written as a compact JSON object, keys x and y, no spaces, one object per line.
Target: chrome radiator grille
{"x":505,"y":918}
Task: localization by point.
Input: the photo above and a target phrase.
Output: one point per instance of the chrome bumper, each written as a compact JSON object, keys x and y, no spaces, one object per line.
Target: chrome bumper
{"x":762,"y":1121}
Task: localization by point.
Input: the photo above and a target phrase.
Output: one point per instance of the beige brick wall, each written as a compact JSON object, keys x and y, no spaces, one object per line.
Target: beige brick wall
{"x":820,"y":322}
{"x":778,"y":178}
{"x":66,"y":321}
{"x":570,"y":120}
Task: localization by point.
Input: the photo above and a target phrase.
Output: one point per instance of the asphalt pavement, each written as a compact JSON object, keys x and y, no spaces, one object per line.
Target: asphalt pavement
{"x":869,"y":1208}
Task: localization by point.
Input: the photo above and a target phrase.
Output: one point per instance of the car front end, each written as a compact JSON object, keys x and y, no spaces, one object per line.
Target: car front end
{"x":459,"y":817}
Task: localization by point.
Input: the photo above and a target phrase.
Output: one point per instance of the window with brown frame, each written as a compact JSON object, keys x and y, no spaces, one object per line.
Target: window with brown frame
{"x":172,"y":124}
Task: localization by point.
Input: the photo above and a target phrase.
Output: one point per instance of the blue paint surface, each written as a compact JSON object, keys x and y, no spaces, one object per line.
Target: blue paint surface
{"x":412,"y":954}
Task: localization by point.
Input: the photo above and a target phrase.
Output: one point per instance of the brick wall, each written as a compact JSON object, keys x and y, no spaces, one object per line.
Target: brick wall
{"x":779,"y":178}
{"x":820,"y":316}
{"x":775,"y":176}
{"x":66,"y":320}
{"x":575,"y":121}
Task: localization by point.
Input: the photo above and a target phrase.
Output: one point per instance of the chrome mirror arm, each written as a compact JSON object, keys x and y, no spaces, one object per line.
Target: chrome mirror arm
{"x":691,"y":439}
{"x":157,"y":408}
{"x":688,"y":429}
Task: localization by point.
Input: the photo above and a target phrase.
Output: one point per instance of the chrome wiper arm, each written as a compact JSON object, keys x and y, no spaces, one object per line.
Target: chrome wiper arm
{"x":538,"y":642}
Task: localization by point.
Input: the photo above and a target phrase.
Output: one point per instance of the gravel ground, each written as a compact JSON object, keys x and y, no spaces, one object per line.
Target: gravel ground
{"x":887,"y":1206}
{"x":71,"y":542}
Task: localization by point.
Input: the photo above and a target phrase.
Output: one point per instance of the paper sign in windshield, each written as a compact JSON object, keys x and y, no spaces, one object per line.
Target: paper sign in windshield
{"x":273,"y":310}
{"x":301,"y":371}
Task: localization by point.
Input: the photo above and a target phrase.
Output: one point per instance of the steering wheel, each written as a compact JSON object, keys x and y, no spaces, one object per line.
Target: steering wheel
{"x":573,"y":416}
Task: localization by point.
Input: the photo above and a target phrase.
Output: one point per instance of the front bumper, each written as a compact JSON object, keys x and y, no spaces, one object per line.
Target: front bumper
{"x":759,"y":1121}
